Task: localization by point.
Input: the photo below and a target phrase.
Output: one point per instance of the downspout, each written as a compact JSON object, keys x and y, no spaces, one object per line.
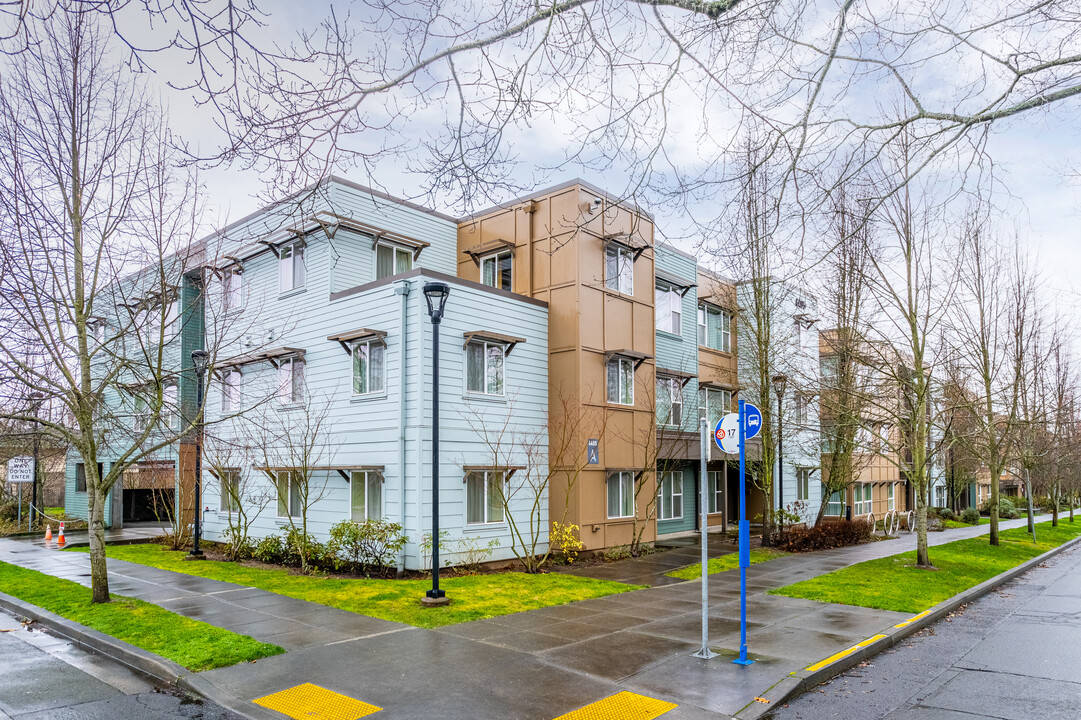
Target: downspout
{"x":402,"y":290}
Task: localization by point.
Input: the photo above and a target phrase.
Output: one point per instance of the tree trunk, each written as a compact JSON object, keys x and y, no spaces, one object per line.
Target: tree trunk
{"x":1028,"y":494}
{"x":994,"y":508}
{"x":1054,"y":506}
{"x":99,"y":574}
{"x":922,"y":556}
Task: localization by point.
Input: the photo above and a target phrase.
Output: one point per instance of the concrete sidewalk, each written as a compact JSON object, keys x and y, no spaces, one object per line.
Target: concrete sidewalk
{"x":538,"y":664}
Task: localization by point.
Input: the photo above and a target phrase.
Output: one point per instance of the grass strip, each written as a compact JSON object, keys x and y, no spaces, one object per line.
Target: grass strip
{"x":954,"y":524}
{"x":190,"y":643}
{"x":473,"y":597}
{"x":895,"y":583}
{"x":724,"y":563}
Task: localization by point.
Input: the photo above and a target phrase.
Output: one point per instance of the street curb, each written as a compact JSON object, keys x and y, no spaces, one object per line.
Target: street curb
{"x":141,"y":661}
{"x":801,"y":681}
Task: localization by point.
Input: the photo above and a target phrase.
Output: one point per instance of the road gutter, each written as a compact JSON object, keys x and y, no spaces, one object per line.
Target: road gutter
{"x":156,"y":668}
{"x":801,"y":681}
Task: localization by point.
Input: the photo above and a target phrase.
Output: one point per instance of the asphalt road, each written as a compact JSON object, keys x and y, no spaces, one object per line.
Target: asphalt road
{"x":44,"y":678}
{"x":1014,"y":654}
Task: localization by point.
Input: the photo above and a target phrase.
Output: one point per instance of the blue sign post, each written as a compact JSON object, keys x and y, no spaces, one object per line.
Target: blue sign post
{"x":750,"y":424}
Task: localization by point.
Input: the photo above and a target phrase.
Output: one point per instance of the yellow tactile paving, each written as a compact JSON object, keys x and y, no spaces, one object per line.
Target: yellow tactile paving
{"x":913,"y":619}
{"x":311,"y":702}
{"x":621,"y":706}
{"x":844,"y":653}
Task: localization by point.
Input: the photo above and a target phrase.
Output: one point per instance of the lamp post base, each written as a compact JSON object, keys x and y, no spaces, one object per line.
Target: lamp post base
{"x":195,"y":555}
{"x":440,"y":601}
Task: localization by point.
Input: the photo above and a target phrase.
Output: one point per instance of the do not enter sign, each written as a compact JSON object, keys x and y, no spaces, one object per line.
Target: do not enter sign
{"x":726,"y":434}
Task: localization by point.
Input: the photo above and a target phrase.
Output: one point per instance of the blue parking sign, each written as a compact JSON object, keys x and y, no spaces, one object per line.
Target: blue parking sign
{"x":753,"y":419}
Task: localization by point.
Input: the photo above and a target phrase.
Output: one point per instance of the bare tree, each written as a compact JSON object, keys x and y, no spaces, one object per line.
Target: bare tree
{"x":90,"y":194}
{"x":243,"y":496}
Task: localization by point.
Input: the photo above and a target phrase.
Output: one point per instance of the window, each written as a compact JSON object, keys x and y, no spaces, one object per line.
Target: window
{"x":230,"y":391}
{"x":484,"y":497}
{"x":484,"y":367}
{"x":835,"y":506}
{"x":366,"y":496}
{"x":621,"y":381}
{"x":289,"y":487}
{"x":940,"y":496}
{"x":714,"y":404}
{"x":496,"y":270}
{"x":232,"y":298}
{"x":884,"y":436}
{"x":141,"y":416}
{"x":170,"y":409}
{"x":619,"y":269}
{"x":230,"y":491}
{"x":291,"y":267}
{"x":80,"y":476}
{"x":801,"y":408}
{"x":668,"y":306}
{"x":714,"y":328}
{"x":172,"y":320}
{"x":670,"y":496}
{"x":621,"y":494}
{"x":890,"y":497}
{"x":391,"y":260}
{"x":716,"y":490}
{"x":669,"y":401}
{"x":368,"y":367}
{"x":862,"y":494}
{"x":95,"y":330}
{"x":803,"y":483}
{"x":291,"y":381}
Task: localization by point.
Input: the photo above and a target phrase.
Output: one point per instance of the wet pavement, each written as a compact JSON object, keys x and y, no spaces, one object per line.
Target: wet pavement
{"x":652,"y":569}
{"x":537,"y":664}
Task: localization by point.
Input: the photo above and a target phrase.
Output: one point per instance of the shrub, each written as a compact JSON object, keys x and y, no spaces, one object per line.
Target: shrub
{"x":825,"y":535}
{"x":238,"y":546}
{"x":472,"y":553}
{"x":9,"y":510}
{"x":1006,"y":508}
{"x":564,"y":540}
{"x":946,"y":513}
{"x":970,"y":515}
{"x":367,"y":546}
{"x":270,"y":549}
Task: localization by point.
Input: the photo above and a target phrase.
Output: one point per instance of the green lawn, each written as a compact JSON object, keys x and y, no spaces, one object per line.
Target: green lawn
{"x":725,"y":563}
{"x":473,"y":597}
{"x":895,"y":583}
{"x":951,"y":524}
{"x":193,"y":644}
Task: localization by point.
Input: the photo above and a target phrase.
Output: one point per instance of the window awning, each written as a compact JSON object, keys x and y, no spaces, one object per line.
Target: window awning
{"x":483,"y":335}
{"x":638,"y":357}
{"x":359,"y":335}
{"x":488,"y":247}
{"x":683,"y":286}
{"x":631,"y":241}
{"x":508,"y":469}
{"x":274,"y":356}
{"x":343,"y":470}
{"x":683,"y":377}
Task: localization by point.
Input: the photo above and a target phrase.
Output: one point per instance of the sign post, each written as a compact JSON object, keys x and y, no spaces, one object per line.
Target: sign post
{"x":750,"y":424}
{"x":705,"y":653}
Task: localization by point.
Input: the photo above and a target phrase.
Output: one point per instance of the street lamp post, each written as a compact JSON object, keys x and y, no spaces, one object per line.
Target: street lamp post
{"x":436,"y":295}
{"x":35,"y":404}
{"x":199,"y":360}
{"x":779,"y":381}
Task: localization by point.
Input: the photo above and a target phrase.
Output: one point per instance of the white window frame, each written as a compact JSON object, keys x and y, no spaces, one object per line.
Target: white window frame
{"x":494,"y":259}
{"x":483,"y":480}
{"x":171,"y":320}
{"x":619,"y":268}
{"x":95,"y":330}
{"x":803,"y":483}
{"x":292,"y":272}
{"x":703,"y":404}
{"x":232,"y":382}
{"x":891,"y":497}
{"x":667,"y":482}
{"x":395,"y":251}
{"x":486,"y":346}
{"x":232,"y":294}
{"x":370,"y":347}
{"x":624,"y":487}
{"x":367,"y":481}
{"x":940,"y":496}
{"x":668,"y":309}
{"x":229,"y":476}
{"x":170,"y":406}
{"x":836,"y":503}
{"x":287,"y":498}
{"x":704,"y":311}
{"x":674,"y":392}
{"x":716,"y":491}
{"x":624,"y":380}
{"x":863,"y":494}
{"x":291,"y":387}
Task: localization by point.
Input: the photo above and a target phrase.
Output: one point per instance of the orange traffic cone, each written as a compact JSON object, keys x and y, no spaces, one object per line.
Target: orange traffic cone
{"x":60,"y":538}
{"x":48,"y":533}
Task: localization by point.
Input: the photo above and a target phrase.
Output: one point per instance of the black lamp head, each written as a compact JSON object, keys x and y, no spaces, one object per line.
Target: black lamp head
{"x":436,"y":294}
{"x":200,"y":359}
{"x":779,"y":382}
